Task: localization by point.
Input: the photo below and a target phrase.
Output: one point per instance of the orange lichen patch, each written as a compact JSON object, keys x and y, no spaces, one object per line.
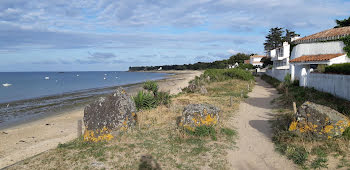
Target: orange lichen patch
{"x":293,"y":126}
{"x":328,"y":128}
{"x":101,"y":135}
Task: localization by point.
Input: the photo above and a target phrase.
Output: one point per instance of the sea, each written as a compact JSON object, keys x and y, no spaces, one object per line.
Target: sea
{"x":28,"y":95}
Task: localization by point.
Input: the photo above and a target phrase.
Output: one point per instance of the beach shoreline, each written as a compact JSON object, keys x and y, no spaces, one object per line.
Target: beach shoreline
{"x":25,"y":140}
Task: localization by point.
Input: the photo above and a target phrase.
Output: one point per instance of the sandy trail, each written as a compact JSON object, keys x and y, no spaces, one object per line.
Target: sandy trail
{"x":25,"y":140}
{"x":255,"y":148}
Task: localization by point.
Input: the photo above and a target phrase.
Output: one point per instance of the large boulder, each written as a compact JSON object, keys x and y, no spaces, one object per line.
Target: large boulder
{"x":116,"y":112}
{"x":319,"y":121}
{"x":195,"y":115}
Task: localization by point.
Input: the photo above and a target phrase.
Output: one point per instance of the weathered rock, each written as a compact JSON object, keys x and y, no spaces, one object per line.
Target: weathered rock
{"x":195,"y":115}
{"x":319,"y":121}
{"x":203,"y":90}
{"x":116,"y":112}
{"x":192,"y":87}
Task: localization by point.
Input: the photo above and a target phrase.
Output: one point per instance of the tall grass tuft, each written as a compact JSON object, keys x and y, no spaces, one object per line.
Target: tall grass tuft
{"x":144,"y":100}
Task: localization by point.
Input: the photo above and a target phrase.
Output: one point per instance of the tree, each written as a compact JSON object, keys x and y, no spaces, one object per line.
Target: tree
{"x":266,"y":61}
{"x":274,"y":38}
{"x":342,"y":23}
{"x":289,"y":35}
{"x":238,"y":58}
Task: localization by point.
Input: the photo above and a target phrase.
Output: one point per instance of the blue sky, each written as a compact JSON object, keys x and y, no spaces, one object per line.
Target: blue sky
{"x":86,"y":35}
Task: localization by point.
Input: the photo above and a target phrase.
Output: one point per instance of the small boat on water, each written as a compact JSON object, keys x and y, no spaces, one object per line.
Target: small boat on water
{"x":6,"y":85}
{"x":47,"y":78}
{"x":77,"y":75}
{"x":104,"y":78}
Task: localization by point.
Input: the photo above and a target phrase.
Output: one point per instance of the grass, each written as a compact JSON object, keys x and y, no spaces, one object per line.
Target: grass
{"x":156,"y":136}
{"x":307,"y":152}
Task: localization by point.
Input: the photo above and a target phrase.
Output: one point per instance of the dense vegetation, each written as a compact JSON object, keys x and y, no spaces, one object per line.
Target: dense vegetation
{"x":152,"y":97}
{"x":226,"y":74}
{"x":302,"y":150}
{"x":346,"y":41}
{"x":237,"y":58}
{"x":338,"y":69}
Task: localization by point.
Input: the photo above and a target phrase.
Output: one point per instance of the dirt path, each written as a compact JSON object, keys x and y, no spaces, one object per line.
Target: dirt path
{"x":255,"y":148}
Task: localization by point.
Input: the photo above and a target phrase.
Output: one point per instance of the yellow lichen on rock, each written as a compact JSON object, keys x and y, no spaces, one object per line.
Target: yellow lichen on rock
{"x":102,"y":135}
{"x":293,"y":126}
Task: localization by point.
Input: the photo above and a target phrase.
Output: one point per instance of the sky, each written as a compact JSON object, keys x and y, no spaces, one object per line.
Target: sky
{"x":92,"y":35}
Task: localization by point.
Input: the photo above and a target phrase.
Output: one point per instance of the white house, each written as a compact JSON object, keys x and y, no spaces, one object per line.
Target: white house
{"x":255,"y":60}
{"x":316,"y":51}
{"x":280,"y":56}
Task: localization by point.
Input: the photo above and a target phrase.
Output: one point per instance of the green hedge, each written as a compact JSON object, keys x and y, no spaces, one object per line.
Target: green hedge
{"x":339,"y":68}
{"x":225,"y":74}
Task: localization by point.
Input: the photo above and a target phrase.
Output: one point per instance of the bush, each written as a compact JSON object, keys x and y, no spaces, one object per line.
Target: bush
{"x":338,"y":69}
{"x":151,"y":86}
{"x":144,"y":100}
{"x":346,"y":133}
{"x":239,"y":74}
{"x":163,"y":98}
{"x":226,"y":74}
{"x":246,"y":66}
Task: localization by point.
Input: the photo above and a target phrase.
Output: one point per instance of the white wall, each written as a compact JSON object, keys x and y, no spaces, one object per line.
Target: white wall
{"x":278,"y":74}
{"x":332,"y":47}
{"x":336,"y":84}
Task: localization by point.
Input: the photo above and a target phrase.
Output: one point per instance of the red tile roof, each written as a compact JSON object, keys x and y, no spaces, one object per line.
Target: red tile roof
{"x":246,"y":61}
{"x":330,"y":34}
{"x":320,"y":57}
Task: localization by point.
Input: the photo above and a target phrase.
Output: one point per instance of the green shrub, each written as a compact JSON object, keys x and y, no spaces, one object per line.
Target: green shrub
{"x":203,"y":131}
{"x":151,"y":86}
{"x":298,"y":154}
{"x":338,"y":69}
{"x":239,"y":74}
{"x":346,"y":41}
{"x":346,"y":133}
{"x":226,"y":74}
{"x":163,"y":98}
{"x":319,"y":162}
{"x":246,"y":66}
{"x":144,"y":100}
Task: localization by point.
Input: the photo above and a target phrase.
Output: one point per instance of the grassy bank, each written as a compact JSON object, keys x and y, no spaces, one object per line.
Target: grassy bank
{"x":306,"y":152}
{"x":157,"y":139}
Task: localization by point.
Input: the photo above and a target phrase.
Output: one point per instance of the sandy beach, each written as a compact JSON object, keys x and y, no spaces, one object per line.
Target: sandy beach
{"x":25,"y":140}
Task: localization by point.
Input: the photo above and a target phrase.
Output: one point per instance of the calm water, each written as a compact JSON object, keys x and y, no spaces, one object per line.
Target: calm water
{"x":33,"y":93}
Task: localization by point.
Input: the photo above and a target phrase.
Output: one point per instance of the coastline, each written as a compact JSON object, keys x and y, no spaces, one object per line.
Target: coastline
{"x":27,"y":139}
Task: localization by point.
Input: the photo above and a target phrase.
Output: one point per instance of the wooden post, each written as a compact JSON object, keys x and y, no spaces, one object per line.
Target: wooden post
{"x":248,"y":88}
{"x":286,"y":91}
{"x":295,"y":108}
{"x":242,"y":93}
{"x":230,"y":101}
{"x":79,"y":128}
